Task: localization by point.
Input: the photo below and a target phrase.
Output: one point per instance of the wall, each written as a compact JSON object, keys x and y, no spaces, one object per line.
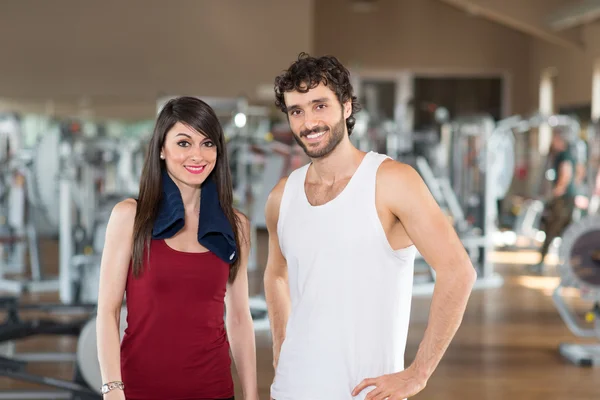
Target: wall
{"x":423,"y":34}
{"x":573,"y":67}
{"x":119,"y":56}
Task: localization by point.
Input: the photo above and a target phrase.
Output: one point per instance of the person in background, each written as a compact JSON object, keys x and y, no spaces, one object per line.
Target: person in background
{"x":559,"y":208}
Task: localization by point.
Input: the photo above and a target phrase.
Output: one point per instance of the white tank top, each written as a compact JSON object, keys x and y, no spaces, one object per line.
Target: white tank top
{"x":350,"y":291}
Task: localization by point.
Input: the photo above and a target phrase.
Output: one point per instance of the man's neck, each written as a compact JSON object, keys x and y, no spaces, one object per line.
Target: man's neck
{"x":341,"y":163}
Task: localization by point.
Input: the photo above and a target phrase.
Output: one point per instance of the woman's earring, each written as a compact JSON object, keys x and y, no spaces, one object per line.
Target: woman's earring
{"x":162,"y":156}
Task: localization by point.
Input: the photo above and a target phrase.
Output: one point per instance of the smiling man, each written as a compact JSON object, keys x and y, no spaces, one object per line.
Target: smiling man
{"x":343,"y":233}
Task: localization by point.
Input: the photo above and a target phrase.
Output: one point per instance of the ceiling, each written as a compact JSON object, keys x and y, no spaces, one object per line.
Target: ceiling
{"x":555,"y":21}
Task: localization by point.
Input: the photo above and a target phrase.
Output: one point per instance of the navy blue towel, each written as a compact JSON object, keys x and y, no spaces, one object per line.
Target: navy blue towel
{"x":214,"y":230}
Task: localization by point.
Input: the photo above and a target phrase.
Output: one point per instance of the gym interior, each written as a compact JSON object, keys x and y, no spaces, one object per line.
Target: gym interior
{"x":468,"y":92}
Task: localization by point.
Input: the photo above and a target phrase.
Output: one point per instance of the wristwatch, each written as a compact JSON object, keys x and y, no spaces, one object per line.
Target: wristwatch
{"x":107,"y":387}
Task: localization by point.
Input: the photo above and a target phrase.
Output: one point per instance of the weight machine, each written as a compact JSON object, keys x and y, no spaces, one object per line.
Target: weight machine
{"x":18,"y":233}
{"x":579,"y":268}
{"x":593,"y":167}
{"x":526,"y":231}
{"x":473,"y":172}
{"x":84,"y":176}
{"x":95,"y":174}
{"x":14,"y":366}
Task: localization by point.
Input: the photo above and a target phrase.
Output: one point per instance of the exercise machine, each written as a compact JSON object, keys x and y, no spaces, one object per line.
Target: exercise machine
{"x":579,"y":268}
{"x":18,"y":233}
{"x":473,"y":172}
{"x":86,"y":201}
{"x":593,"y":167}
{"x":14,"y":366}
{"x":526,"y":232}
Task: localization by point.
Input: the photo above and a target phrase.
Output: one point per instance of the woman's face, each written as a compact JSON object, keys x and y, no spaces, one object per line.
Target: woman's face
{"x":189,"y":155}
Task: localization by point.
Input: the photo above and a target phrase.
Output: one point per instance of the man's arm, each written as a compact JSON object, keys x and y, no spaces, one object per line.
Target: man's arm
{"x":277,"y":290}
{"x":565,"y":173}
{"x":405,"y":194}
{"x":411,"y":202}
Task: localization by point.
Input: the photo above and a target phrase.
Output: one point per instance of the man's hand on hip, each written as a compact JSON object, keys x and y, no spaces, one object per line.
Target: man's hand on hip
{"x":396,"y":386}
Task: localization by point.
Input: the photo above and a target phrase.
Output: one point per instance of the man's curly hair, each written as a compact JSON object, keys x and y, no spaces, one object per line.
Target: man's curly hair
{"x":308,"y":72}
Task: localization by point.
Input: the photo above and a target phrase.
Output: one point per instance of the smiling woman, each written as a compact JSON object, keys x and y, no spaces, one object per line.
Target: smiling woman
{"x":179,"y":252}
{"x":189,"y":140}
{"x":187,"y":150}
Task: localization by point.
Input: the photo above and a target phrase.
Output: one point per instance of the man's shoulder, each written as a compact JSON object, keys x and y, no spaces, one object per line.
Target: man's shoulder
{"x":400,"y":187}
{"x":565,"y":155}
{"x":392,"y":172}
{"x":278,"y":189}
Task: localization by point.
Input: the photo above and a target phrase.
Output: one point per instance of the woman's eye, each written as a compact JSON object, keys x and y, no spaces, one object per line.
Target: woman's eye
{"x":183,"y":143}
{"x":209,"y":144}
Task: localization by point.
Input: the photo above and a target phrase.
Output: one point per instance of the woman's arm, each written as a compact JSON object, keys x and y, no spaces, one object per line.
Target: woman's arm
{"x":240,"y":328}
{"x":113,"y":277}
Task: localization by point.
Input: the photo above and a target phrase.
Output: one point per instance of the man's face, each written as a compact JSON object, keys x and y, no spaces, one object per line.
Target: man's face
{"x":317,"y":120}
{"x":558,"y":143}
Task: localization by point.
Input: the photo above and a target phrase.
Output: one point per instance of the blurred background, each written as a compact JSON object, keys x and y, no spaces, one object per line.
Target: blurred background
{"x":474,"y":94}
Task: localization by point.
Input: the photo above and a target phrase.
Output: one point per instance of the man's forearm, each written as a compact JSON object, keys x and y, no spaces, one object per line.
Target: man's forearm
{"x":278,"y":306}
{"x":559,"y":190}
{"x":448,"y":305}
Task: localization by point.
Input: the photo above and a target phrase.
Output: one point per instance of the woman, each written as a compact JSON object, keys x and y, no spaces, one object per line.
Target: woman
{"x":179,"y":254}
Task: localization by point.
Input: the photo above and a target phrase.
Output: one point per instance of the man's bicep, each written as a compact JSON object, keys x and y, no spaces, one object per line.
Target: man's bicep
{"x":427,"y":226}
{"x":275,"y":260}
{"x":276,"y":263}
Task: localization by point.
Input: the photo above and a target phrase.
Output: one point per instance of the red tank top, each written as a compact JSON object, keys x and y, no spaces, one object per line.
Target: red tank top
{"x":175,"y":345}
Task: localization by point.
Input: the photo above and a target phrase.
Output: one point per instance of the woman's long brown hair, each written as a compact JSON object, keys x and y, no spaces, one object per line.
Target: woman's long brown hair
{"x":201,"y":117}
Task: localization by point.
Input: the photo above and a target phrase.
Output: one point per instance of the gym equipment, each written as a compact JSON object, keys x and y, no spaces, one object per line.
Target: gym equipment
{"x":14,"y":365}
{"x":526,"y":231}
{"x":579,"y":268}
{"x":18,"y":234}
{"x":12,"y":251}
{"x":527,"y":224}
{"x":467,"y":182}
{"x":84,"y":172}
{"x":468,"y":171}
{"x":593,"y":170}
{"x":360,"y":133}
{"x":276,"y":163}
{"x":73,"y":163}
{"x":381,"y":135}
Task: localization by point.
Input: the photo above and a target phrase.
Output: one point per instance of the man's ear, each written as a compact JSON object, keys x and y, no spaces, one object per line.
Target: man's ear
{"x":347,"y":109}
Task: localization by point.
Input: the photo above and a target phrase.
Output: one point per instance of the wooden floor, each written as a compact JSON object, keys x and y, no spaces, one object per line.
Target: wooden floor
{"x":506,"y":348}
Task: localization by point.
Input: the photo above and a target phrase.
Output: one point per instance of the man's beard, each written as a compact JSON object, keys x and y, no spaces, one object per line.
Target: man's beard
{"x":335,"y":137}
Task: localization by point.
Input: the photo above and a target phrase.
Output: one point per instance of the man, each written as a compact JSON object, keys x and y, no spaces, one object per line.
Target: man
{"x":343,"y":233}
{"x":560,"y":207}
